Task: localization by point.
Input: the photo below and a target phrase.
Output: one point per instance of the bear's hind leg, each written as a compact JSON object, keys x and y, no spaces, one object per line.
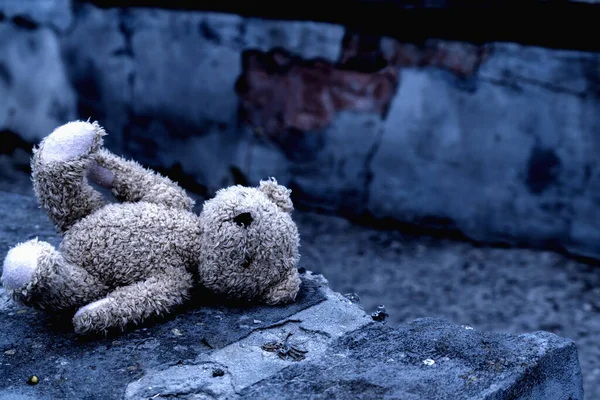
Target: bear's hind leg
{"x":37,"y":275}
{"x":59,"y":168}
{"x":133,"y":304}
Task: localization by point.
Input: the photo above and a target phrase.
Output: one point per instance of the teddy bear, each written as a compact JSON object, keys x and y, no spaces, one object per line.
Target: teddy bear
{"x":121,"y":262}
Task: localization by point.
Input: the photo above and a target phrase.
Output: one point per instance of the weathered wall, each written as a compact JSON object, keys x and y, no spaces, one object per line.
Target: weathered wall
{"x":497,"y":141}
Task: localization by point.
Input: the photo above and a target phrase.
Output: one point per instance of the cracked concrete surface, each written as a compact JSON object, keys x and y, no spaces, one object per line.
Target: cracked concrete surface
{"x":508,"y":290}
{"x":245,"y":363}
{"x":210,"y":351}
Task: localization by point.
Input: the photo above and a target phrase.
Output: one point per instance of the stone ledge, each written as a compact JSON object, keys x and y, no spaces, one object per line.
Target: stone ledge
{"x":221,"y":353}
{"x":214,"y":351}
{"x":431,"y":358}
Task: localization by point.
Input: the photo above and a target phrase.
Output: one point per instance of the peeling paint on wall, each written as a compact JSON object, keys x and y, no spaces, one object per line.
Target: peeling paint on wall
{"x":280,"y":91}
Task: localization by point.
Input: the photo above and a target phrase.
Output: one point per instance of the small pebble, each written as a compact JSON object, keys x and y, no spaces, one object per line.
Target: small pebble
{"x":380,"y":314}
{"x":33,"y":380}
{"x":176,"y":332}
{"x":353,"y":297}
{"x":217,"y":372}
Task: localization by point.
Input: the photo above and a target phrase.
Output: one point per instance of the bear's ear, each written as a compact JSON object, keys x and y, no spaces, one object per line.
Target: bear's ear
{"x":285,"y":291}
{"x":278,"y":194}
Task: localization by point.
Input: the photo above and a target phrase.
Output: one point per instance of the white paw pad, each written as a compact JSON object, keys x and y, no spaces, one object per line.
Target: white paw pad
{"x":91,"y":306}
{"x":19,"y":264}
{"x":69,"y":141}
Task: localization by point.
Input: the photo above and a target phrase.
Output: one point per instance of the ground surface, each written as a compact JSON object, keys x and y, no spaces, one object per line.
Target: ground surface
{"x":503,"y":290}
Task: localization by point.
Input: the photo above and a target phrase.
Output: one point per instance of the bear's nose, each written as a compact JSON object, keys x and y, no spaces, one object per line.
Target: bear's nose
{"x":243,"y":219}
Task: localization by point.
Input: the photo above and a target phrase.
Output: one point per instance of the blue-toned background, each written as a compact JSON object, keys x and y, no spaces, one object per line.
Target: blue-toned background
{"x":401,"y":120}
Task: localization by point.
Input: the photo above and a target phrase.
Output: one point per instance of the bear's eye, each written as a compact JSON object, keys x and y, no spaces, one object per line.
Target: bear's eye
{"x":243,"y":219}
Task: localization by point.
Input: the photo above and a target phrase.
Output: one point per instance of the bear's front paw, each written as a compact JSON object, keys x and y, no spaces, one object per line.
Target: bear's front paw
{"x":71,"y":140}
{"x":20,"y":264}
{"x":95,"y":317}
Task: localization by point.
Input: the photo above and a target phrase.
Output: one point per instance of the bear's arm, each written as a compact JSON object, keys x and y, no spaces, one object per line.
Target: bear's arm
{"x":131,"y":182}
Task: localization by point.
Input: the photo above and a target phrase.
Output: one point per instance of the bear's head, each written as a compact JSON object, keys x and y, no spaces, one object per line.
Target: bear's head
{"x":249,"y":246}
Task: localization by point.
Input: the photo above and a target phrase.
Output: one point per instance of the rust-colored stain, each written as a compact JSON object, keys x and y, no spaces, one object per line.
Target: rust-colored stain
{"x":279,"y":91}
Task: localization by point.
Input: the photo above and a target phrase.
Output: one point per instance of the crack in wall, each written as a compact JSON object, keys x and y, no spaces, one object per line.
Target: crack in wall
{"x":515,"y":81}
{"x":127,"y":32}
{"x":368,"y":167}
{"x":21,"y":21}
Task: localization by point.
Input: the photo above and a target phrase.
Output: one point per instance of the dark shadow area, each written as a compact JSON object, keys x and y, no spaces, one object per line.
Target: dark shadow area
{"x":200,"y":306}
{"x":185,"y":180}
{"x":537,"y":23}
{"x":11,"y":141}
